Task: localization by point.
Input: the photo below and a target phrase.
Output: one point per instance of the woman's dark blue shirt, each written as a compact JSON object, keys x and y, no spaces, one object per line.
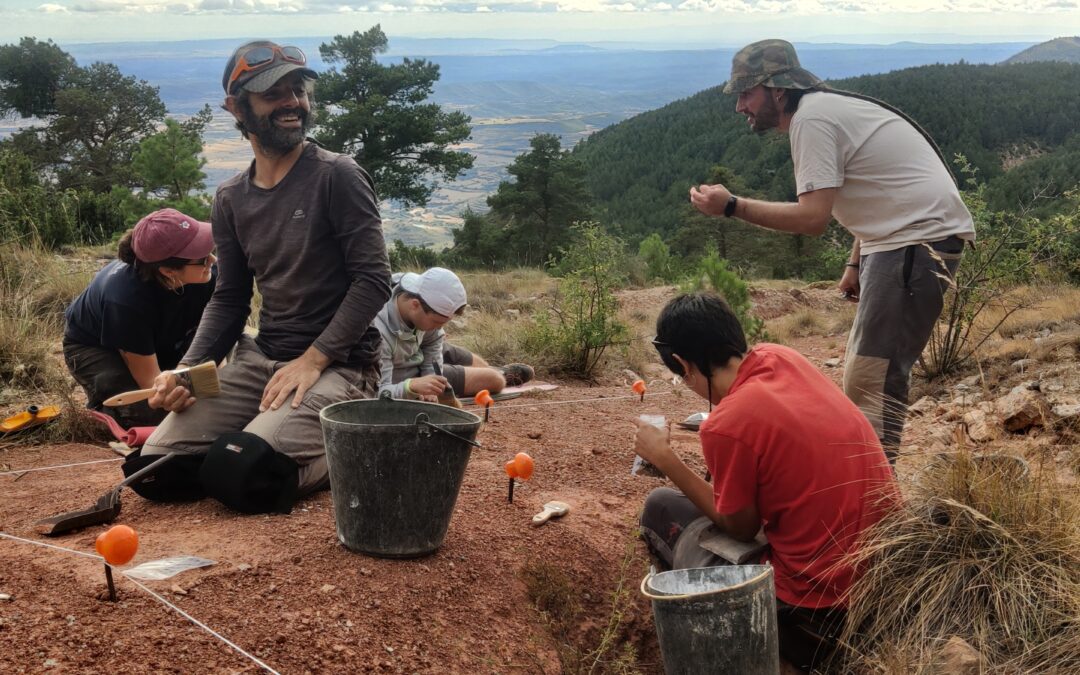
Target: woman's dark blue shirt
{"x":120,"y":311}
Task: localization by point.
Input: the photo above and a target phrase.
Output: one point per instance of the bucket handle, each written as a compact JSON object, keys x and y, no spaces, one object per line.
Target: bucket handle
{"x":424,"y":427}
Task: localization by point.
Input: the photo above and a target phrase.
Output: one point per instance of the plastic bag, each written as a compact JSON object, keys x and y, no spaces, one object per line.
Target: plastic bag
{"x":155,"y":570}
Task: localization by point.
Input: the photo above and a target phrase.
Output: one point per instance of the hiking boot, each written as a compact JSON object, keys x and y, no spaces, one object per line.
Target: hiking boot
{"x":517,"y":374}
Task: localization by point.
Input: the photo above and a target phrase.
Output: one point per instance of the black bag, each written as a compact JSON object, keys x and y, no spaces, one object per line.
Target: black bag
{"x":177,"y":480}
{"x":243,"y":472}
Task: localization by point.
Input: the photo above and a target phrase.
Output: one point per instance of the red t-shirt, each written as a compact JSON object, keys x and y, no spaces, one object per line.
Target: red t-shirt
{"x":786,"y":439}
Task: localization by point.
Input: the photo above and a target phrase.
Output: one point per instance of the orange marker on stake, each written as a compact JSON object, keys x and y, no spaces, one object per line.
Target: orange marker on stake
{"x":639,"y":388}
{"x":117,"y":545}
{"x":483,"y":397}
{"x":521,"y":466}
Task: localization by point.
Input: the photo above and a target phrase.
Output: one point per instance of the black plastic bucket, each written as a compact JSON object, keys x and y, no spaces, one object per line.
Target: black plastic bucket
{"x":395,"y":471}
{"x":716,"y":619}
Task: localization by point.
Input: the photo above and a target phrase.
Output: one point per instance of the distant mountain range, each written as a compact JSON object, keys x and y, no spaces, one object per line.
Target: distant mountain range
{"x":1016,"y":124}
{"x":513,"y":89}
{"x":1065,"y":49}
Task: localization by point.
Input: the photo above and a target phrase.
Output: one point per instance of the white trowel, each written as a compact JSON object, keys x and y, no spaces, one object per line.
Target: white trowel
{"x":551,"y":510}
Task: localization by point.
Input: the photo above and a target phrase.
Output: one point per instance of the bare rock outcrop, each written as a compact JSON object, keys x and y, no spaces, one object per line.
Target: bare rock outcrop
{"x":1021,"y":409}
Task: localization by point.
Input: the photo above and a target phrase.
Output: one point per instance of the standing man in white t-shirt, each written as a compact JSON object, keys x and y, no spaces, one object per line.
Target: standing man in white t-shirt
{"x":885,"y":181}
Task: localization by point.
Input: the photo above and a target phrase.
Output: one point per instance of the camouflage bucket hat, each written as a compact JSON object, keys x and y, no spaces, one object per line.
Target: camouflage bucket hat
{"x":773,"y":63}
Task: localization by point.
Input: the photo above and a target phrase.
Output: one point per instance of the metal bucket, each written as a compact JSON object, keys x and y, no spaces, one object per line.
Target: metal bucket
{"x":716,"y":619}
{"x":395,"y":471}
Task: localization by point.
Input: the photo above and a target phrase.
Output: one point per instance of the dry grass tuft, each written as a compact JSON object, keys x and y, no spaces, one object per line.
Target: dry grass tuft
{"x":75,"y":425}
{"x":1010,"y":349}
{"x":638,"y":352}
{"x":978,"y":551}
{"x":1053,"y":305}
{"x":807,"y":322}
{"x":496,"y":338}
{"x":801,"y":323}
{"x":34,"y":288}
{"x":1045,"y":348}
{"x":494,"y":293}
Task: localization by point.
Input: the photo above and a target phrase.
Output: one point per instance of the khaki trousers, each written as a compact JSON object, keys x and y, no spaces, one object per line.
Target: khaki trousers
{"x":296,"y":433}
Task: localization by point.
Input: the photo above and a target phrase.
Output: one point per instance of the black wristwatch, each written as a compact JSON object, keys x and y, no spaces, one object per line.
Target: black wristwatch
{"x":729,"y":208}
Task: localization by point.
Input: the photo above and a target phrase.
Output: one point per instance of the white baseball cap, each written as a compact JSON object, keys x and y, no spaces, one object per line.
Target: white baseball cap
{"x":438,"y":287}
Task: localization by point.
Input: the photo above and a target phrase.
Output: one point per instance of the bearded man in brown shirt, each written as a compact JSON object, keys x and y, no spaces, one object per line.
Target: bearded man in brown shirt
{"x":303,"y":225}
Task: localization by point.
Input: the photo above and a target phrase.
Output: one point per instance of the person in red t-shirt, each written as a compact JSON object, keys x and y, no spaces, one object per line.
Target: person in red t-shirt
{"x":790,"y":453}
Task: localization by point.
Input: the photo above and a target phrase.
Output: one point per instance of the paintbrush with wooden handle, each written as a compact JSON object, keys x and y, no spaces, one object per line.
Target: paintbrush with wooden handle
{"x":201,"y":381}
{"x":447,"y":397}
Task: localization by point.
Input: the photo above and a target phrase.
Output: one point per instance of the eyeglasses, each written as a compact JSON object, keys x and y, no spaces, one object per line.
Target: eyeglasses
{"x":658,"y":343}
{"x":201,"y":262}
{"x":257,"y":57}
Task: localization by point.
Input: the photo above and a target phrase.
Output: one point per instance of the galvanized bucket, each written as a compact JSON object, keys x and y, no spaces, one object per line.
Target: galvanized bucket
{"x":716,"y":619}
{"x":395,"y":471}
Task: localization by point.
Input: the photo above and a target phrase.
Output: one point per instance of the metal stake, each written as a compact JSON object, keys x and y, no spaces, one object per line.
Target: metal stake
{"x":109,"y":579}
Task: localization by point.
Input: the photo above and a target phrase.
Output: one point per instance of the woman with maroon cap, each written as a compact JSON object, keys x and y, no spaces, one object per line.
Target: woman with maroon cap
{"x":140,"y":312}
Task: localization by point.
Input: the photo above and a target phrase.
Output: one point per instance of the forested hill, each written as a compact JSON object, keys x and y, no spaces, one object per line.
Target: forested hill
{"x":1024,"y":116}
{"x":1059,"y":49}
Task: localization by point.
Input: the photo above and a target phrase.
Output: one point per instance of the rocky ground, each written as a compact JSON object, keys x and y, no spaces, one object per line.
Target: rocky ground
{"x":499,"y":596}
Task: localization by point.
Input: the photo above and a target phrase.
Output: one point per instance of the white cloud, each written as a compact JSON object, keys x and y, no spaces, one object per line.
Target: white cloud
{"x":789,"y":8}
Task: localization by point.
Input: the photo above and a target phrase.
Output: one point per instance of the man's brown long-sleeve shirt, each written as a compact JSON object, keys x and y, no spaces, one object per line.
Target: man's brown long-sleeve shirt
{"x":314,"y":246}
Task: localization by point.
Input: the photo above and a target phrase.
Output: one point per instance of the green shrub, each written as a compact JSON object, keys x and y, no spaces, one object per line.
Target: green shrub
{"x":712,"y":273}
{"x":1013,"y":249}
{"x":582,"y":323}
{"x":657,"y":258}
{"x":404,"y":257}
{"x":34,"y":212}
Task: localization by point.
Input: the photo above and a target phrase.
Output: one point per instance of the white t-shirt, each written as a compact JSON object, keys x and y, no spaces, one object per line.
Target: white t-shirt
{"x":893,"y":190}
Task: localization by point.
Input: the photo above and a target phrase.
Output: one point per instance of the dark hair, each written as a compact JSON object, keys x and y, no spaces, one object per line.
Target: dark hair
{"x":147,"y":271}
{"x":792,"y":98}
{"x":242,"y":100}
{"x":700,"y":328}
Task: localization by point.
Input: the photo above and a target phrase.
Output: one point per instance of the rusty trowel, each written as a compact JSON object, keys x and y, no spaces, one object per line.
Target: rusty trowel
{"x":105,"y":510}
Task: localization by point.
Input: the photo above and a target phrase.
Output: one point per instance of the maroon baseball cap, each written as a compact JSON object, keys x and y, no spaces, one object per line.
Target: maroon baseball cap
{"x":168,"y":234}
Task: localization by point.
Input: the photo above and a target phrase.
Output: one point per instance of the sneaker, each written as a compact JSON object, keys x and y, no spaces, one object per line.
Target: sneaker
{"x":517,"y":374}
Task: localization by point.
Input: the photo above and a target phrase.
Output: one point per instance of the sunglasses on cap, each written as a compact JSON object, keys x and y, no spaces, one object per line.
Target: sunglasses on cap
{"x":257,"y":57}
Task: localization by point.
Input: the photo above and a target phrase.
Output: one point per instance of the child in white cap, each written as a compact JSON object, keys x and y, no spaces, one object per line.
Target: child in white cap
{"x":412,"y":340}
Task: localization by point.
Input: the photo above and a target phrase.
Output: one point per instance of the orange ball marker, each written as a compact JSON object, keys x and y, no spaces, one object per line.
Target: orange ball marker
{"x":117,"y":545}
{"x":638,"y":387}
{"x":521,"y":466}
{"x":483,"y":397}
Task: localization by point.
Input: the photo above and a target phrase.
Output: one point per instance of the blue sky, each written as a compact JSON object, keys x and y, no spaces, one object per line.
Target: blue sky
{"x":715,"y":22}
